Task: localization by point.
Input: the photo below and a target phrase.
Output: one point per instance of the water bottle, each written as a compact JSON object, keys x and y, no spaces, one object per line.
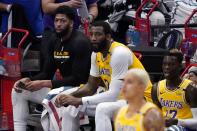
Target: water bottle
{"x":4,"y":122}
{"x":135,"y":36}
{"x":129,"y":39}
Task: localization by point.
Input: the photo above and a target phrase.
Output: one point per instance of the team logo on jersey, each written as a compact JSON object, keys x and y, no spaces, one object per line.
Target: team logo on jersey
{"x":61,"y":54}
{"x":171,"y":103}
{"x":104,"y":71}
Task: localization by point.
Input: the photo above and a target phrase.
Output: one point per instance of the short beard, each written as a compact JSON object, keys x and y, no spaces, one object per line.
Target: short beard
{"x":101,"y":46}
{"x":62,"y":33}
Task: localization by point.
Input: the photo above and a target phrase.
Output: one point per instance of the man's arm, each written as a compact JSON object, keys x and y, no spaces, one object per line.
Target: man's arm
{"x":5,"y":7}
{"x":88,"y":89}
{"x":191,"y":98}
{"x":154,"y":95}
{"x":93,"y":11}
{"x":153,"y":120}
{"x":43,"y":79}
{"x":49,"y":6}
{"x":48,"y":70}
{"x":75,"y":98}
{"x":119,"y":69}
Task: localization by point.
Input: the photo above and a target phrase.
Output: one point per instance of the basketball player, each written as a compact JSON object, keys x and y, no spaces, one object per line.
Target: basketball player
{"x":109,"y":63}
{"x":70,"y":53}
{"x":138,"y":115}
{"x":176,"y":97}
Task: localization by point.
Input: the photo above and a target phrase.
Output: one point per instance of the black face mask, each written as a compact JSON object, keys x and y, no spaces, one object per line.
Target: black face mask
{"x":99,"y":46}
{"x":63,"y":32}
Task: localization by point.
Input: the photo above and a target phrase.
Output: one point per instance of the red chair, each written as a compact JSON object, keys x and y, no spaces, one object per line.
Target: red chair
{"x":138,"y":55}
{"x":187,"y":68}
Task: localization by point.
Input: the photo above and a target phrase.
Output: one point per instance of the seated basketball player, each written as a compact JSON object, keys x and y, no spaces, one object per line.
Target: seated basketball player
{"x":138,"y":115}
{"x":109,"y":63}
{"x":176,"y":97}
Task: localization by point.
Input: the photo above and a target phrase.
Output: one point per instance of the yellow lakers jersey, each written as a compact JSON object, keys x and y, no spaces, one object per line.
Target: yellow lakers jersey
{"x":134,"y":123}
{"x":173,"y":102}
{"x":105,"y":69}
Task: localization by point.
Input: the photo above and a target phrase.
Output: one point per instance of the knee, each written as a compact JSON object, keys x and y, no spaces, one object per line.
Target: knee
{"x":16,"y":96}
{"x":102,"y":109}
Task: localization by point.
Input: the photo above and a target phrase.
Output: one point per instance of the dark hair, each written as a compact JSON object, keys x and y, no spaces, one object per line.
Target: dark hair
{"x":105,"y":25}
{"x":176,"y":53}
{"x":68,"y":11}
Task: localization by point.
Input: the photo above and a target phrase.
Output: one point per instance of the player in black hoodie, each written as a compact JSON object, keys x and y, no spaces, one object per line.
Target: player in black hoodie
{"x":70,"y":52}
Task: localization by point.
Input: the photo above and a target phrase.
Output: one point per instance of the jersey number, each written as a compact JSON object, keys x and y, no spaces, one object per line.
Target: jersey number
{"x":171,"y":113}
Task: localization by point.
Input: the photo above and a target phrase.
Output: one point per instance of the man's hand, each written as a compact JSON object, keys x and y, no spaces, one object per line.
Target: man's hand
{"x":34,"y":85}
{"x":74,"y":3}
{"x":17,"y":85}
{"x":65,"y":100}
{"x":170,"y":122}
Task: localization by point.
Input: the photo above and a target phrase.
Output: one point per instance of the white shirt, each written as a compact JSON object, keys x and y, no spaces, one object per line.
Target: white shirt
{"x":121,"y":59}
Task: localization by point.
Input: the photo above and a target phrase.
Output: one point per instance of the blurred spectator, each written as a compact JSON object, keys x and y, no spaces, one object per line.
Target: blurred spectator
{"x":25,"y":14}
{"x":32,"y":12}
{"x":4,"y":11}
{"x":192,"y":74}
{"x":194,"y":58}
{"x":49,"y":7}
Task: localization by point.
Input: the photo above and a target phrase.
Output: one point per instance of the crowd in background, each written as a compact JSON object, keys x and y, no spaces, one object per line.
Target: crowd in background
{"x":43,"y":18}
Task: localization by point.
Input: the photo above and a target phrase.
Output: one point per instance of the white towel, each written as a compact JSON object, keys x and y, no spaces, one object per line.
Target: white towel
{"x":54,"y":114}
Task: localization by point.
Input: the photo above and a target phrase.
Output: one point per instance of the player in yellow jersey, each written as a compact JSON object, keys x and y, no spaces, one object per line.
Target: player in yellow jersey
{"x":138,"y":115}
{"x":109,"y":63}
{"x":176,"y":97}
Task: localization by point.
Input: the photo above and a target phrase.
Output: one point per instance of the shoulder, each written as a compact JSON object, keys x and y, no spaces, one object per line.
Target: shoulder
{"x":152,"y":115}
{"x":80,"y":42}
{"x":121,"y":52}
{"x":153,"y":119}
{"x":191,"y":95}
{"x":153,"y":111}
{"x":79,"y":37}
